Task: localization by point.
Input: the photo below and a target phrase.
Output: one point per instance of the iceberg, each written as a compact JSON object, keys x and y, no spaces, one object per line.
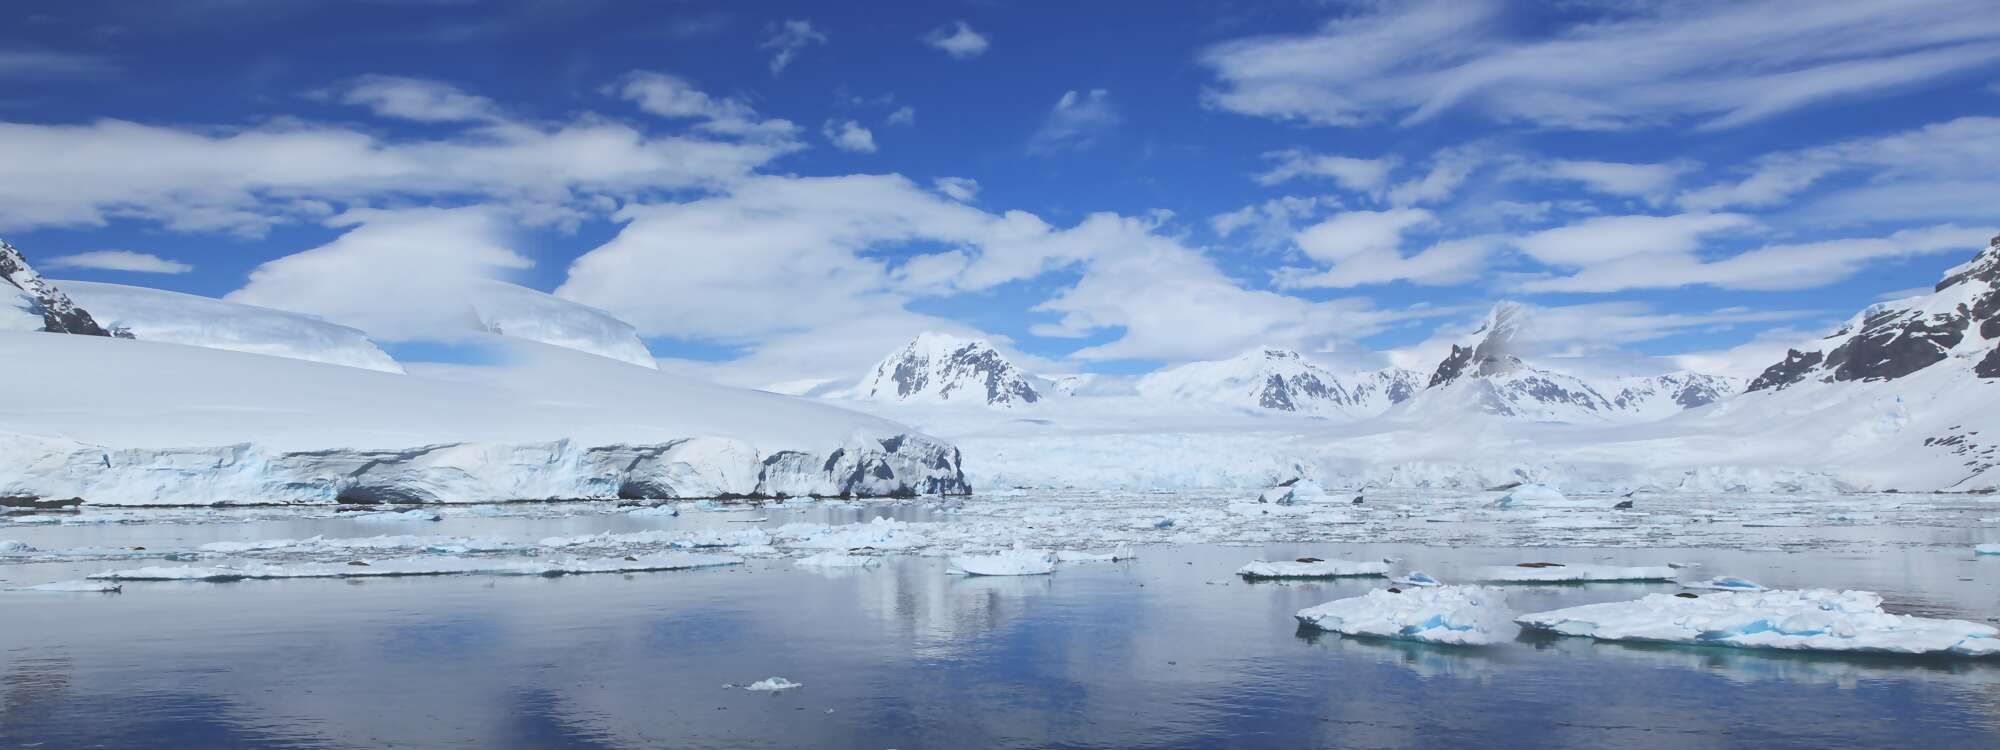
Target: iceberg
{"x":1986,"y":549}
{"x":1793,"y":620}
{"x":1312,"y":567}
{"x":1015,"y":562}
{"x":1417,"y":578}
{"x":1453,"y":615}
{"x":1543,"y":496}
{"x":772,"y":685}
{"x":83,"y":587}
{"x":1300,"y":491}
{"x":1554,"y":573}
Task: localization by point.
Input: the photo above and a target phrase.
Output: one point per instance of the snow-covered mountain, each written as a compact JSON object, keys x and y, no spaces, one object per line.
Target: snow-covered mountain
{"x":938,"y":368}
{"x":1277,"y":379}
{"x":523,"y":313}
{"x":175,"y":318}
{"x":34,"y":304}
{"x":1486,"y":374}
{"x":1959,"y":320}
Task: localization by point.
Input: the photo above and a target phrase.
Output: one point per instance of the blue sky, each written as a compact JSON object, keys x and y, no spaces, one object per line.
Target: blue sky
{"x":780,"y":190}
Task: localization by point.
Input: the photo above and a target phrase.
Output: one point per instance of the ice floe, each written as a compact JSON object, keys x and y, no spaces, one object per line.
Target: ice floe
{"x":435,"y":566}
{"x":772,"y":685}
{"x":1986,"y":549}
{"x":1558,"y":573}
{"x":1455,"y":615}
{"x":393,"y":516}
{"x":1796,"y":620}
{"x":1312,"y":567}
{"x":1417,"y":578}
{"x":1075,"y":556}
{"x":1015,"y":562}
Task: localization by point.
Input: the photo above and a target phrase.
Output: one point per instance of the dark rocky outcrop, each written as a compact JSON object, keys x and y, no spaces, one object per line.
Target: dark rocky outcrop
{"x":59,"y":313}
{"x":1894,"y":340}
{"x":949,"y":369}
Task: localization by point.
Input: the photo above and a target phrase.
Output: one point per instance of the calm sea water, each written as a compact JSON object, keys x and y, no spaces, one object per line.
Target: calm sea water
{"x":1169,"y":650}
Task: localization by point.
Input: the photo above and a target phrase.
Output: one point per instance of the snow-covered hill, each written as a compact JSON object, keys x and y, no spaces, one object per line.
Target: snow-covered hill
{"x":938,"y":368}
{"x":523,"y":313}
{"x":1280,"y":380}
{"x":155,"y":423}
{"x":175,"y":318}
{"x":29,"y":302}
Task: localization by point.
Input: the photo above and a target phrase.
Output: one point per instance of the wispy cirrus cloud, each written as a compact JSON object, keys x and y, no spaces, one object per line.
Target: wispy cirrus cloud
{"x":1718,"y":64}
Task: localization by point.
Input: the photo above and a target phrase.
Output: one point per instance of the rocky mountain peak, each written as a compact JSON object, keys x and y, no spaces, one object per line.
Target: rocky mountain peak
{"x":58,"y":313}
{"x":1960,"y":318}
{"x":1490,"y":350}
{"x":941,"y":367}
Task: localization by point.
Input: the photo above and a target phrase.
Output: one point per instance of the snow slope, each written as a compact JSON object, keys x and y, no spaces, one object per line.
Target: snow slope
{"x":175,"y":318}
{"x":520,"y":312}
{"x":143,"y":422}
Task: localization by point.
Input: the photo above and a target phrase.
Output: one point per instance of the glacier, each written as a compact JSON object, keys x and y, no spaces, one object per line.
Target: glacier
{"x":210,"y":426}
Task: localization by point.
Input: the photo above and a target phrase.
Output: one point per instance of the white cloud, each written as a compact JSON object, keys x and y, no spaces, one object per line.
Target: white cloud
{"x":251,"y":179}
{"x":961,"y":189}
{"x":1271,"y":225}
{"x":1772,"y":267}
{"x":787,"y":40}
{"x":119,"y":260}
{"x":1449,"y":169}
{"x":1617,"y":178}
{"x":1445,"y":263}
{"x":848,"y":135}
{"x":674,"y":97}
{"x":397,"y":274}
{"x":1602,"y":239}
{"x":1077,"y":121}
{"x":1354,"y":233}
{"x":904,"y":115}
{"x":1946,"y":170}
{"x":418,"y":99}
{"x":1368,"y":176}
{"x":1612,"y":66}
{"x":1750,"y":358}
{"x":958,"y":40}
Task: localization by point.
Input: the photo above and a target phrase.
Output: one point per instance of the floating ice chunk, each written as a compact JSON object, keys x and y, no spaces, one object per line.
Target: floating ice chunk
{"x":101,"y":587}
{"x":1553,"y":573}
{"x":838,"y":560}
{"x":1544,"y":496}
{"x":1724,"y":583}
{"x":667,"y":511}
{"x":1797,"y":620}
{"x":1986,"y":549}
{"x":881,"y":533}
{"x":454,"y":545}
{"x":1457,"y":615}
{"x":1014,"y":562}
{"x":1417,"y":578}
{"x":393,"y":516}
{"x":1301,"y":491}
{"x":11,"y":547}
{"x":439,"y":566}
{"x":1073,"y":556}
{"x":772,"y":685}
{"x":1311,"y":567}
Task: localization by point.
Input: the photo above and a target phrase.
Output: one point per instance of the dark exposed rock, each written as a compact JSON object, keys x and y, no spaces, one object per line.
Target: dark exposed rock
{"x":1890,"y":341}
{"x":1686,"y":595}
{"x":1622,"y":505}
{"x":1309,"y":560}
{"x":59,"y":313}
{"x":38,"y":503}
{"x":1539,"y":565}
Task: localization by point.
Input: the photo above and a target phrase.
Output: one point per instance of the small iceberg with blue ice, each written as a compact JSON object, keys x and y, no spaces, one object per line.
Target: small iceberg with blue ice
{"x":1724,"y":583}
{"x":1451,"y":615}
